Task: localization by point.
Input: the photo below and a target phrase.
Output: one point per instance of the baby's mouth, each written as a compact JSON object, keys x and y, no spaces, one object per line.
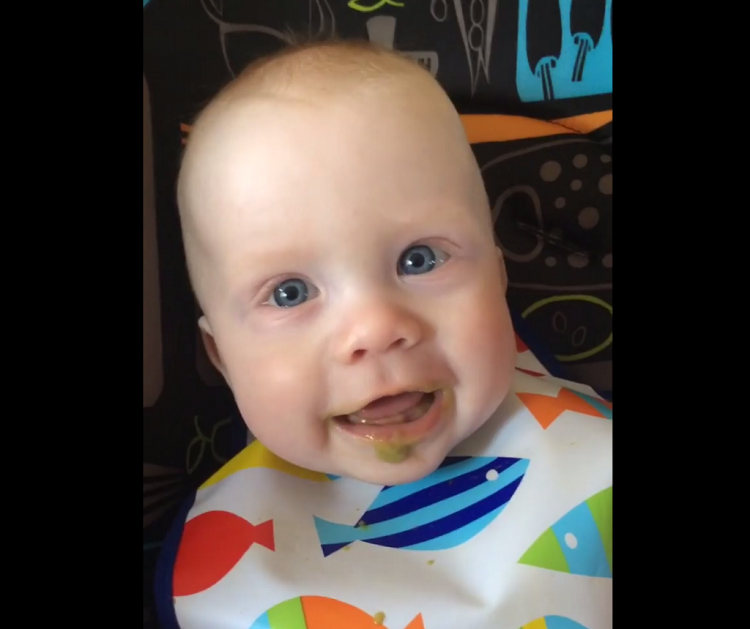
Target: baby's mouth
{"x":402,"y":408}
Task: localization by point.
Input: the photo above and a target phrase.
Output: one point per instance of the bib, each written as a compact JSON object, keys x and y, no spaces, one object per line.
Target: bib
{"x":514,"y":530}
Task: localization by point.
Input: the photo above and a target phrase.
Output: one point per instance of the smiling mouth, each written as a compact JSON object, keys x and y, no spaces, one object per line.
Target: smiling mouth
{"x":394,"y":424}
{"x":402,"y":408}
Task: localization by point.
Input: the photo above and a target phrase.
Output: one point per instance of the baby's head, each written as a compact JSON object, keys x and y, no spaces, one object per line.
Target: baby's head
{"x":340,"y":244}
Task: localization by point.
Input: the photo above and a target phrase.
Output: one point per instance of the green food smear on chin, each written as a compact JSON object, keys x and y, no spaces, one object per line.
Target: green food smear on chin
{"x":392,"y":453}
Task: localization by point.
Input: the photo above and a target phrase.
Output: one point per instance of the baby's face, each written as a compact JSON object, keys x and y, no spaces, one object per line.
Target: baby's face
{"x":349,"y":258}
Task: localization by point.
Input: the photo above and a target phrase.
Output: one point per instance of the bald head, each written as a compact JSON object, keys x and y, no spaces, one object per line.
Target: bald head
{"x":317,"y":71}
{"x":314,"y":74}
{"x":269,"y":113}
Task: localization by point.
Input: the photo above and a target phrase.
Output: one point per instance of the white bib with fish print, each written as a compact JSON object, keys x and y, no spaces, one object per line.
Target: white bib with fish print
{"x":513,"y":531}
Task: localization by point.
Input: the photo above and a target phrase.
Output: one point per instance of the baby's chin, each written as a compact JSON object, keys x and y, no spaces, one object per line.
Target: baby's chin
{"x":386,"y":462}
{"x":375,"y":463}
{"x":390,"y":464}
{"x":378,"y":472}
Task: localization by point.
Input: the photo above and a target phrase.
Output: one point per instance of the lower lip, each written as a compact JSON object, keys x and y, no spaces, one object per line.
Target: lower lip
{"x":401,"y":434}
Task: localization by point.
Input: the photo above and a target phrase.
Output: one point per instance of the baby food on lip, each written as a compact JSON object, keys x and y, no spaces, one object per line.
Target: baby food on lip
{"x":392,"y":452}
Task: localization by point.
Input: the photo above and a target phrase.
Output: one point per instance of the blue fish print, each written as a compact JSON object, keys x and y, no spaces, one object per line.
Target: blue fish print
{"x":441,"y":511}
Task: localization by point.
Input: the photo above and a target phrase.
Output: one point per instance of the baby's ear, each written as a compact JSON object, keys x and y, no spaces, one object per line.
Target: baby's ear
{"x":212,"y":350}
{"x":503,"y":270}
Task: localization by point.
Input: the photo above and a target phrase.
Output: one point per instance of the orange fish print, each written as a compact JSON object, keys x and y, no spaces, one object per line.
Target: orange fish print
{"x":320,"y":612}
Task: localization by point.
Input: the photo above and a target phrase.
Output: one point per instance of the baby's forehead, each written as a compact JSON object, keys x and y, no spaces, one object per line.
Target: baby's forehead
{"x":323,"y":126}
{"x":270,"y":140}
{"x":371,"y":148}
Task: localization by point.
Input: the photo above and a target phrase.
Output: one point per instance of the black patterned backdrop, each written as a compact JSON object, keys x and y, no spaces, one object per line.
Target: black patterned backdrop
{"x":548,"y":176}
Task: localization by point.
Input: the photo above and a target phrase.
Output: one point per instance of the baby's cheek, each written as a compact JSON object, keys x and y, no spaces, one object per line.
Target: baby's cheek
{"x":257,"y":377}
{"x":277,"y":393}
{"x":485,"y":339}
{"x":276,"y":425}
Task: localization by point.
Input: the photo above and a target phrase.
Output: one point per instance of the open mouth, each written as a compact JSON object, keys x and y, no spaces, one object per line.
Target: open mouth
{"x":402,"y":408}
{"x":396,"y":420}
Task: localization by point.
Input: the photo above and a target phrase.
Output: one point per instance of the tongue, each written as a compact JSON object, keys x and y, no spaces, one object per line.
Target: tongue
{"x":389,"y":406}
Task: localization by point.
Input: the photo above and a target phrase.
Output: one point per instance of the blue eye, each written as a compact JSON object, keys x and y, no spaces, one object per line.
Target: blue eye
{"x":420,"y":259}
{"x":291,"y":293}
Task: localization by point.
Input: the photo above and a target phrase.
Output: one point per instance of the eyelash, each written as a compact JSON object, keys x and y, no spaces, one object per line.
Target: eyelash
{"x":268,"y":293}
{"x":268,"y":290}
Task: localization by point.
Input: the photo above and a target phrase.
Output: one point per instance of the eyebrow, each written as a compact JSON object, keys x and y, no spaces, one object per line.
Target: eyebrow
{"x":269,"y":256}
{"x":257,"y":266}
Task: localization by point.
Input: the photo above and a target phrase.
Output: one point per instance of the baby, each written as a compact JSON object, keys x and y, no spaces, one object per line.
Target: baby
{"x":339,"y":241}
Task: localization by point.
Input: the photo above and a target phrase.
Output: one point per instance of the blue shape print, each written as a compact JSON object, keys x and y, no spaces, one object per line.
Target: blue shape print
{"x":564,"y":49}
{"x":441,"y":511}
{"x":560,"y":622}
{"x":605,"y":410}
{"x":553,"y":622}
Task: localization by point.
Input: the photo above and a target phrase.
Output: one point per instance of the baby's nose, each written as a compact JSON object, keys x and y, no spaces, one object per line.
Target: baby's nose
{"x":378,"y":329}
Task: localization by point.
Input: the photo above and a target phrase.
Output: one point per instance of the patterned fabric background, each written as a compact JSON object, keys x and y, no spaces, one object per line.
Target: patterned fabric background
{"x":548,"y":176}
